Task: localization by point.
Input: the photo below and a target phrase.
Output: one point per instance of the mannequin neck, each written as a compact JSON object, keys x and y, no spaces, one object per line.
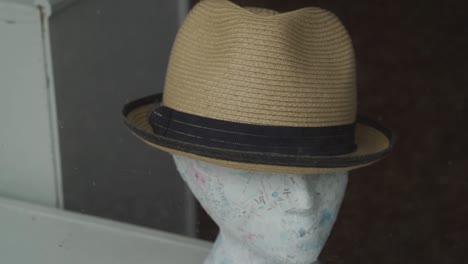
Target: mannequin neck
{"x":227,"y":250}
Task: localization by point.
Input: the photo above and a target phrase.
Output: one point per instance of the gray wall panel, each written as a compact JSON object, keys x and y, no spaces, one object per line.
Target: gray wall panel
{"x":105,"y":53}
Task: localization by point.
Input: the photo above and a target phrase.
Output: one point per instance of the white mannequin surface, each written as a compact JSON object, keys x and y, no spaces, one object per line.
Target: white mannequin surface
{"x":265,"y":217}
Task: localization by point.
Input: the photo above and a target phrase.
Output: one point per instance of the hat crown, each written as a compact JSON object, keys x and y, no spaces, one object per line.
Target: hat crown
{"x":257,"y":66}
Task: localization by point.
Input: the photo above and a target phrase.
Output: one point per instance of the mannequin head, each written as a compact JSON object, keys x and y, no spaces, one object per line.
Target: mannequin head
{"x":277,"y":217}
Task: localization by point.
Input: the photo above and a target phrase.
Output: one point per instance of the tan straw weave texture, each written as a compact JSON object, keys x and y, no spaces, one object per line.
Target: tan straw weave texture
{"x":293,"y":71}
{"x":257,"y":66}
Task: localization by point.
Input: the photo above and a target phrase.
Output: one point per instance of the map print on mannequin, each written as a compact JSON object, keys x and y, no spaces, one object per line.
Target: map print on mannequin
{"x":265,"y":217}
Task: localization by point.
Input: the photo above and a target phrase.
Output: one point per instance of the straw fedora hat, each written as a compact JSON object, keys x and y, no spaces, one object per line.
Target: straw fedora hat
{"x":253,"y":89}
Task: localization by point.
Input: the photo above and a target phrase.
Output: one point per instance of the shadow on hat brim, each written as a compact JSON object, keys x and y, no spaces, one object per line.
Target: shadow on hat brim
{"x":372,"y":139}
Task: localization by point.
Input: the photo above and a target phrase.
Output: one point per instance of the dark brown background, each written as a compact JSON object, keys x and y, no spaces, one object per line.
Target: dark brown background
{"x":412,"y":75}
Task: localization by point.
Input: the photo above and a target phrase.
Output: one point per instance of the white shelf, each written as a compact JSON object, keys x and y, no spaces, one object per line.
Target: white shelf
{"x":41,"y":235}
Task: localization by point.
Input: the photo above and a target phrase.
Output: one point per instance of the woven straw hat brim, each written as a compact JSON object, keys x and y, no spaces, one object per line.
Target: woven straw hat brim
{"x":373,"y":143}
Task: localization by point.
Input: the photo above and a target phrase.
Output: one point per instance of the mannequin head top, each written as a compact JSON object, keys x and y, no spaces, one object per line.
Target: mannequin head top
{"x":284,"y":217}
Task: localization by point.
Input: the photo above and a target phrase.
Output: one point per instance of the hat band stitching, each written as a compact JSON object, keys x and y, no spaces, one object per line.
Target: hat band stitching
{"x":166,"y":129}
{"x":319,"y":144}
{"x":299,"y":150}
{"x":242,"y":133}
